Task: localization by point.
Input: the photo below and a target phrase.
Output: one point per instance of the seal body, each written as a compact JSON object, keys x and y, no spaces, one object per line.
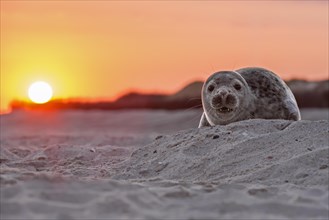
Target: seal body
{"x":247,"y":93}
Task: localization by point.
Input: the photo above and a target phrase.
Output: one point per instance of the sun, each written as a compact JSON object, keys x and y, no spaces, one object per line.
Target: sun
{"x":40,"y":92}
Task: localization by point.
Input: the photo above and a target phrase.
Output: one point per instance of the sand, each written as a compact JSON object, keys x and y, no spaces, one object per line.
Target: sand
{"x":158,"y":165}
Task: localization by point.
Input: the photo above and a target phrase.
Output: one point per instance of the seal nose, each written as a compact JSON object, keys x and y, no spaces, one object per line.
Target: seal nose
{"x":224,"y":99}
{"x":223,"y":93}
{"x":230,"y":100}
{"x":217,"y":100}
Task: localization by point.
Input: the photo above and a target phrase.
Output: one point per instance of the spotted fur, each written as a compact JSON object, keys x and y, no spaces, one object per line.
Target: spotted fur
{"x":266,"y":96}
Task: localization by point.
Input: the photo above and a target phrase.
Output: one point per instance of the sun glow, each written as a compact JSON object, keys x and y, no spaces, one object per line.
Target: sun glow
{"x":40,"y":92}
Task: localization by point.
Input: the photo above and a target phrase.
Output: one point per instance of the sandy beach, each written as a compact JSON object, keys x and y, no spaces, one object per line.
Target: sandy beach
{"x":159,"y":165}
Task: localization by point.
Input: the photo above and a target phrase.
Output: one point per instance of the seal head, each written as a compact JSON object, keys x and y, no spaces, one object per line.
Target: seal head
{"x":225,"y":96}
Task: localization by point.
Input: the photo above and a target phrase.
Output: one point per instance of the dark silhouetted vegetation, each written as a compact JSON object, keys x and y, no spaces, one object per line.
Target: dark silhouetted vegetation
{"x":308,"y":95}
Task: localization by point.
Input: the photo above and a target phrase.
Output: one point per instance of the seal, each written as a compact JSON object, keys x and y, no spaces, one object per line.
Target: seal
{"x":247,"y":93}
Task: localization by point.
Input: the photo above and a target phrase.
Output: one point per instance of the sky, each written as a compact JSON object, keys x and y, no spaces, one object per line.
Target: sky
{"x":101,"y":49}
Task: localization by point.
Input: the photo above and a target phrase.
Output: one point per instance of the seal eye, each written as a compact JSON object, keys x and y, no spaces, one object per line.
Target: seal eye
{"x":237,"y":86}
{"x":211,"y":88}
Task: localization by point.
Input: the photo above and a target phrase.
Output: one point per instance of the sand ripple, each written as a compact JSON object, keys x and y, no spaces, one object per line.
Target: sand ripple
{"x":257,"y":169}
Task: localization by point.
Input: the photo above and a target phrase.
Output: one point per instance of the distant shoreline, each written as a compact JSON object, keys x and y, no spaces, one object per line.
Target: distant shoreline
{"x":308,"y":95}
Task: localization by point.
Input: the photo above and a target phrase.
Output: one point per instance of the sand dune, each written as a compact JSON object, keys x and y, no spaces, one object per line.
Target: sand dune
{"x":78,"y":165}
{"x":253,"y":151}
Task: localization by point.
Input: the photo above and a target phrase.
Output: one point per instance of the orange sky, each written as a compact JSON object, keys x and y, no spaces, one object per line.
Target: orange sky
{"x":103,"y":48}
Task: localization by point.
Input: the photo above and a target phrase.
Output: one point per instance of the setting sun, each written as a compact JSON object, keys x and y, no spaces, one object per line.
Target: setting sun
{"x":40,"y":92}
{"x":95,"y":50}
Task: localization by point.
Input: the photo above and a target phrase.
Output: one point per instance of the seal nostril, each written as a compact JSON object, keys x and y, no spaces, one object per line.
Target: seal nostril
{"x":230,"y":100}
{"x":223,"y":93}
{"x":217,"y":100}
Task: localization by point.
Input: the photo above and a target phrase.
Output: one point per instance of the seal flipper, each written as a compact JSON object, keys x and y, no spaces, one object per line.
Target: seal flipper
{"x":203,"y":121}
